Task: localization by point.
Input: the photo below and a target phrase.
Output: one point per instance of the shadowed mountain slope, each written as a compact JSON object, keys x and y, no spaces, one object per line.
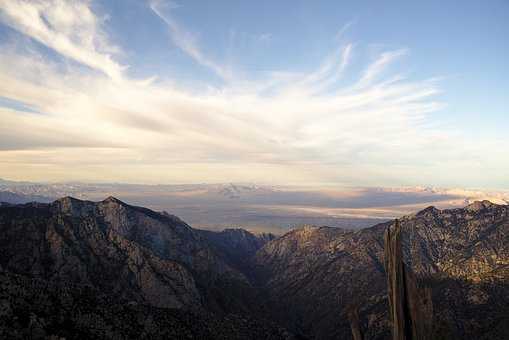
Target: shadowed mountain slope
{"x":238,"y":247}
{"x":315,"y":274}
{"x":110,"y":270}
{"x":126,"y":252}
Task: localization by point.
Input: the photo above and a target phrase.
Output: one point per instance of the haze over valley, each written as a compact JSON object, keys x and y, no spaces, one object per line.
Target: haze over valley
{"x":260,"y":208}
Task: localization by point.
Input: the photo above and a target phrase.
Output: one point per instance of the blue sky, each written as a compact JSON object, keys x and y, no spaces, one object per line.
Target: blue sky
{"x":462,"y":41}
{"x":345,"y":93}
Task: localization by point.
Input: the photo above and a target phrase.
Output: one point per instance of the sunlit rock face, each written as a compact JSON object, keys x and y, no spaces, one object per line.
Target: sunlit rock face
{"x":133,"y":252}
{"x":469,"y":243}
{"x":317,"y":273}
{"x":114,"y":262}
{"x":109,"y":245}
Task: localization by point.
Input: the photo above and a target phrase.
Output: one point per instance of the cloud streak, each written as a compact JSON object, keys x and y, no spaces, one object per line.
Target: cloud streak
{"x":184,"y":39}
{"x":293,"y":127}
{"x":70,"y":28}
{"x":375,"y":69}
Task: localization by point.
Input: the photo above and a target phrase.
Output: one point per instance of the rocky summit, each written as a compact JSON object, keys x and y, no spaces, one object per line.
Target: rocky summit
{"x":316,"y":275}
{"x":107,"y":270}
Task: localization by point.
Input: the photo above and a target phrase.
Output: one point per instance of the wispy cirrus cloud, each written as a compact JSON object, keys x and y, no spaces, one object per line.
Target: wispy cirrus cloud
{"x":184,"y":39}
{"x":329,"y":72}
{"x":342,"y":31}
{"x":375,"y":69}
{"x":291,"y":127}
{"x":68,"y":27}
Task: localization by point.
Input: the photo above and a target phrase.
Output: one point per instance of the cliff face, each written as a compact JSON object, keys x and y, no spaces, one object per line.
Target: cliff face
{"x":130,"y":253}
{"x":469,"y":243}
{"x":104,"y":269}
{"x":135,"y":253}
{"x":410,"y":305}
{"x":315,"y":274}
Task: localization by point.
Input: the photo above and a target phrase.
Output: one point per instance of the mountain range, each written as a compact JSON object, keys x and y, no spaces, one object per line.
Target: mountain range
{"x":83,"y":269}
{"x":260,"y":208}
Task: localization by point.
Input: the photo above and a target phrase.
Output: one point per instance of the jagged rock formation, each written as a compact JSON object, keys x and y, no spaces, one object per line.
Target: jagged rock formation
{"x":314,"y":274}
{"x":110,"y":270}
{"x":410,"y":306}
{"x":127,"y":253}
{"x":133,"y":252}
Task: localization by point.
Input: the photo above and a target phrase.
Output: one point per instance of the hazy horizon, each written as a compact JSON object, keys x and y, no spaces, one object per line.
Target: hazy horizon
{"x":260,"y":207}
{"x":311,"y":186}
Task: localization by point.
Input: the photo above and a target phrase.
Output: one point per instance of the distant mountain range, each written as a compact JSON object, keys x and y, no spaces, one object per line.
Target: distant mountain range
{"x":260,"y":208}
{"x":16,"y":198}
{"x":82,"y":269}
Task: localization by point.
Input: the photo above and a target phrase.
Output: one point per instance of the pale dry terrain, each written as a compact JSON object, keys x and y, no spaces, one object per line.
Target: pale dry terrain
{"x":261,"y":208}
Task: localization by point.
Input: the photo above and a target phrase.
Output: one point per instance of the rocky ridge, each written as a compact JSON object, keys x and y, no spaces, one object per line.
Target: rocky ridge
{"x":317,"y":273}
{"x":81,"y":257}
{"x":120,"y":252}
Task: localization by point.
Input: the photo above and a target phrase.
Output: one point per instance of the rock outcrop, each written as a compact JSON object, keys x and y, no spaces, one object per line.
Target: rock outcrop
{"x":128,"y":254}
{"x":410,"y":306}
{"x":314,"y":274}
{"x":133,"y":252}
{"x":106,"y":269}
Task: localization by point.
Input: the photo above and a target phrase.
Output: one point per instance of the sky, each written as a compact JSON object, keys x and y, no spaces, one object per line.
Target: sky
{"x":364,"y":93}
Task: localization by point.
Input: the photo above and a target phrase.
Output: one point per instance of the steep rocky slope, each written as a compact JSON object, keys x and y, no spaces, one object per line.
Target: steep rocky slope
{"x":237,"y":247}
{"x":32,"y":308}
{"x":316,"y":274}
{"x":106,"y":269}
{"x":139,"y":254}
{"x":124,"y":252}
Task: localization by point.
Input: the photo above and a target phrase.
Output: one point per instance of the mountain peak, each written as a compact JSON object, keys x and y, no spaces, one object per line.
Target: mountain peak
{"x":479,"y":205}
{"x":431,"y":209}
{"x":111,"y":199}
{"x":67,"y":199}
{"x":72,"y":205}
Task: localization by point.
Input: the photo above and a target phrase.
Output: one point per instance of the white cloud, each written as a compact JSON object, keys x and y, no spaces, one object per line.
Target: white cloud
{"x":68,"y":27}
{"x":329,"y":72}
{"x":307,"y":129}
{"x":375,"y":69}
